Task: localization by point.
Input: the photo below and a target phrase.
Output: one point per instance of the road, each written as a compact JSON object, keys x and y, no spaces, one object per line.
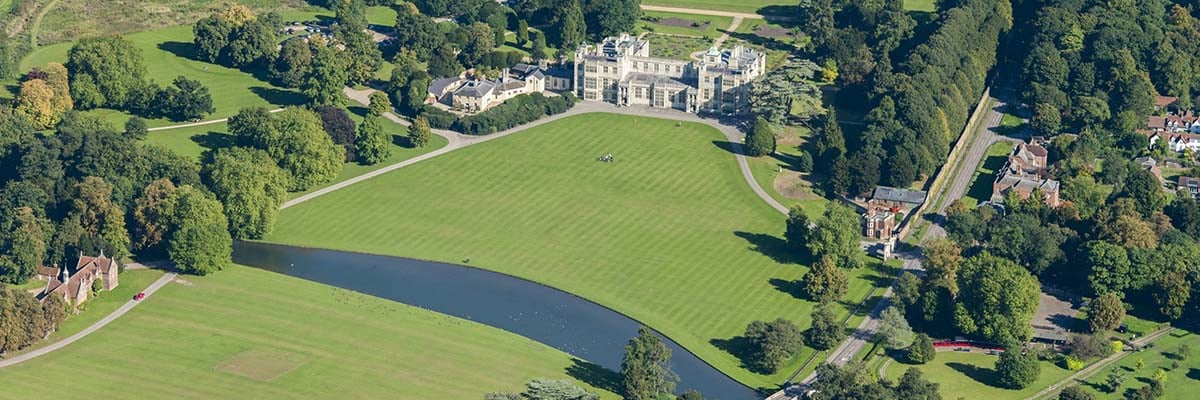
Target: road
{"x":964,"y":171}
{"x":20,"y":358}
{"x":201,"y":123}
{"x":1098,"y":365}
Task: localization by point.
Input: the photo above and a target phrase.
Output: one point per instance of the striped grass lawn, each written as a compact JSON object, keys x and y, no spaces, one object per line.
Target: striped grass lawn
{"x":669,"y":234}
{"x":245,"y":333}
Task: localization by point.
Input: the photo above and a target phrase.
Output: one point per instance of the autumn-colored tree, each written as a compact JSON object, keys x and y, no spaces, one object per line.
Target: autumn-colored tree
{"x":59,"y":82}
{"x":149,"y":215}
{"x":238,"y":14}
{"x":100,"y":216}
{"x":35,"y":102}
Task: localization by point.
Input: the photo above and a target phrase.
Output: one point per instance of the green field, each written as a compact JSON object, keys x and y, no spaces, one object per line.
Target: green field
{"x":669,"y":234}
{"x":1181,"y":382}
{"x":166,"y":53}
{"x":708,"y":26}
{"x":971,"y":376}
{"x":194,"y":141}
{"x":244,"y":333}
{"x":981,"y":185}
{"x":73,"y":19}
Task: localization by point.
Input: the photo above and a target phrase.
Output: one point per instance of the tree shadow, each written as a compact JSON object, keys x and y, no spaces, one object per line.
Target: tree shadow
{"x":358,"y":110}
{"x":734,"y":148}
{"x":279,"y":96}
{"x":1194,"y":374}
{"x":775,"y":248}
{"x":1096,"y":386}
{"x":213,"y":140}
{"x":794,"y":288}
{"x":1144,"y":379}
{"x":1064,"y":321}
{"x":595,"y":375}
{"x":740,"y":347}
{"x":184,"y":50}
{"x":403,"y":141}
{"x":981,"y":375}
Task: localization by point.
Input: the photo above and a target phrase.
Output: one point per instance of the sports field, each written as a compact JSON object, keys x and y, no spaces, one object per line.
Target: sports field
{"x":244,"y":333}
{"x":669,"y":233}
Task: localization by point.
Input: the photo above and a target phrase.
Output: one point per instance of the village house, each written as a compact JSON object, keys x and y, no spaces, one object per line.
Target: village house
{"x":896,"y":199}
{"x":1149,"y":164}
{"x":620,"y":70}
{"x":879,"y":223}
{"x":75,"y":287}
{"x":1192,"y":185}
{"x":1179,"y":130}
{"x":470,"y":93}
{"x":1024,"y":172}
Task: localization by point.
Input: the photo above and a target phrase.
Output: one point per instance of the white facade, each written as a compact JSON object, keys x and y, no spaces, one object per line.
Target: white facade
{"x":620,"y":70}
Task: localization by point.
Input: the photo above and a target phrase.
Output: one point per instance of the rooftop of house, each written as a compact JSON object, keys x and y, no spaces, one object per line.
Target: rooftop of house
{"x":475,"y":88}
{"x":887,"y":193}
{"x":640,"y":78}
{"x":1163,"y":101}
{"x":1146,"y":161}
{"x":438,"y":86}
{"x":1189,"y":182}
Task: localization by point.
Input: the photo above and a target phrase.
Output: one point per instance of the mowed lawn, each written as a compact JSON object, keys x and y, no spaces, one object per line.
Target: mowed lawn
{"x":167,"y":53}
{"x":669,"y":234}
{"x":973,"y":376}
{"x":194,"y":141}
{"x":245,"y":333}
{"x":1181,"y":382}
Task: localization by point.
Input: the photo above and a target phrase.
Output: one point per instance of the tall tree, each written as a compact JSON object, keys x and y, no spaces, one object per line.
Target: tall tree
{"x":772,"y":343}
{"x":251,"y":187}
{"x":152,"y":217}
{"x":571,"y":27}
{"x":894,"y":331}
{"x":537,"y":51}
{"x":419,"y":132}
{"x":104,"y":70}
{"x":371,"y":143}
{"x":416,"y":31}
{"x":1111,"y":270}
{"x":996,"y":300}
{"x":1106,"y":313}
{"x":825,"y":282}
{"x":99,"y":216}
{"x":522,"y":33}
{"x":444,"y":62}
{"x":210,"y":36}
{"x":199,"y":242}
{"x":328,"y":76}
{"x":1015,"y":370}
{"x":831,"y":145}
{"x":921,"y":351}
{"x":35,"y":102}
{"x":1172,"y":292}
{"x":836,"y":234}
{"x":480,"y":41}
{"x":818,"y":16}
{"x":826,"y":331}
{"x":644,"y":369}
{"x":304,"y":149}
{"x":761,"y":139}
{"x":787,"y":92}
{"x":293,"y":64}
{"x":611,"y":17}
{"x":337,"y":123}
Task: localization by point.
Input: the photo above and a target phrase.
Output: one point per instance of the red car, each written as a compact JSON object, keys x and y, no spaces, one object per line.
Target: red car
{"x":139,"y":296}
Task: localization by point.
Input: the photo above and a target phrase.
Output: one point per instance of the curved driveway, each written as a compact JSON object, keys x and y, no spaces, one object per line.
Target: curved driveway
{"x":129,"y":305}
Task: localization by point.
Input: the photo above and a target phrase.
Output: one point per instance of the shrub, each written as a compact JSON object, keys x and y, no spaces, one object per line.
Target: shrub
{"x":1072,"y":363}
{"x":516,"y":111}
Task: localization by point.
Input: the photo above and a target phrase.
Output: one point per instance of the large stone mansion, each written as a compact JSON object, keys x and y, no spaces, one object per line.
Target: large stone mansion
{"x":620,"y":70}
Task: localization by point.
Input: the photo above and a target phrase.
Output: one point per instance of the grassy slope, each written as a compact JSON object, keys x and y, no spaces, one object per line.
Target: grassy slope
{"x":981,"y":186}
{"x":666,"y":234}
{"x":72,"y":19}
{"x":971,"y":376}
{"x":166,"y":53}
{"x":1181,"y":382}
{"x":344,"y":344}
{"x":717,"y":24}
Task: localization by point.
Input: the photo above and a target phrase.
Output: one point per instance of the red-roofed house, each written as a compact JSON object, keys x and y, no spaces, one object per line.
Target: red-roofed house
{"x":75,"y":287}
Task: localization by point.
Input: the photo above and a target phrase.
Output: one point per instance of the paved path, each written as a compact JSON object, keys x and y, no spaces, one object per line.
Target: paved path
{"x":964,"y":175}
{"x":201,"y":123}
{"x":20,"y":358}
{"x":1085,"y":373}
{"x":458,"y":141}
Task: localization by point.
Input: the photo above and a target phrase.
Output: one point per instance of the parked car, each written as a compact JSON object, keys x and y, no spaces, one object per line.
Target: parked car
{"x":139,"y":296}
